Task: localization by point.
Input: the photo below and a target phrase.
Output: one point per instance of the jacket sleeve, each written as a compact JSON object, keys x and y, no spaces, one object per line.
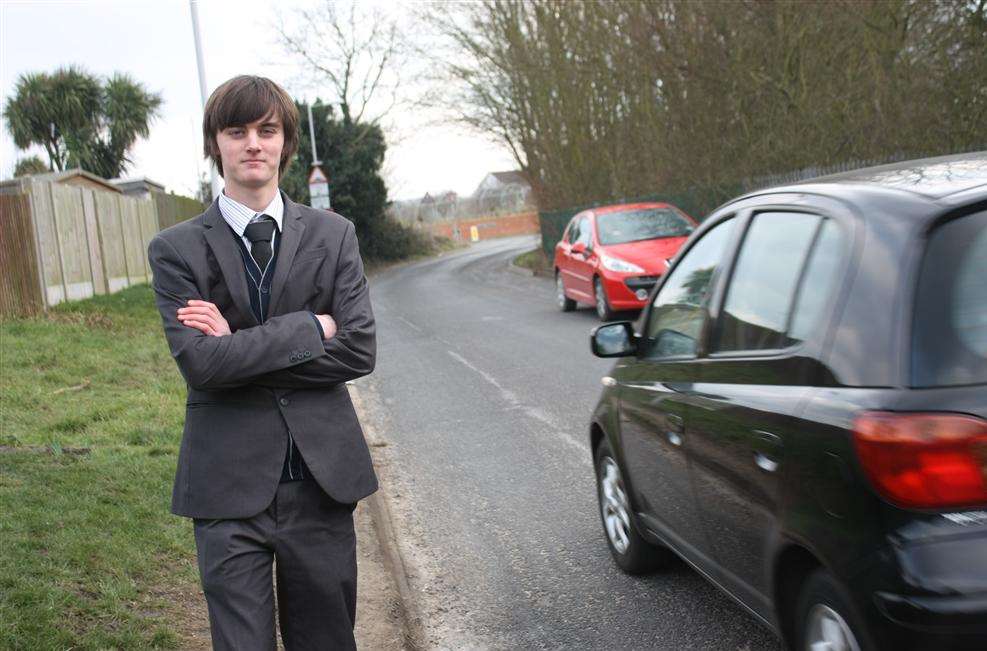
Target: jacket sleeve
{"x":352,"y":351}
{"x":210,"y":363}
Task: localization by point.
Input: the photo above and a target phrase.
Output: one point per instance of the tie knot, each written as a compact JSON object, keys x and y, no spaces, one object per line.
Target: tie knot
{"x":261,"y":230}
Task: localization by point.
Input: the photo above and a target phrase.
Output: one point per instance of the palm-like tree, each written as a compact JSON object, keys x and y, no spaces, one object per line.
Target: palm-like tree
{"x":80,"y":120}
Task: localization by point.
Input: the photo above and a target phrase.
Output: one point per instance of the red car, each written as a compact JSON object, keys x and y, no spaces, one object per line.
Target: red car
{"x":611,"y":256}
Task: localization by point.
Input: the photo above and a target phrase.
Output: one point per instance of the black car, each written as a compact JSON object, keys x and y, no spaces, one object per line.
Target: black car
{"x":801,"y":410}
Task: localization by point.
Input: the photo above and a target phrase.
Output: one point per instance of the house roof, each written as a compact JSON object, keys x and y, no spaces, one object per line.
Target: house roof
{"x":510,"y":177}
{"x":60,"y":177}
{"x":141,"y":182}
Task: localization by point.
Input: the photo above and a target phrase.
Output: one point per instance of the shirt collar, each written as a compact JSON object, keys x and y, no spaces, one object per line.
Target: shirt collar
{"x":238,"y":215}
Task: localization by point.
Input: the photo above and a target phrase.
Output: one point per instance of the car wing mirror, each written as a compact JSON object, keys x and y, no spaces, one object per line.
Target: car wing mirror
{"x":579,"y":248}
{"x":614,"y":340}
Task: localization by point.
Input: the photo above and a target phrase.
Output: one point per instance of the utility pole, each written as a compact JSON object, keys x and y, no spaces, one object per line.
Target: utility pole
{"x":203,"y":89}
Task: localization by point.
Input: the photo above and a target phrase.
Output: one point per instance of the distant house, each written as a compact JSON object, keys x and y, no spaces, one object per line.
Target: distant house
{"x":497,"y":181}
{"x":502,"y":192}
{"x":68,"y":177}
{"x":138,"y":187}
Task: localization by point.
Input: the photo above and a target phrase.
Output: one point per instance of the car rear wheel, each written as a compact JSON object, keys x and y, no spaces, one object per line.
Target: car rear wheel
{"x":826,"y":620}
{"x":632,"y":553}
{"x":565,"y":303}
{"x":603,"y":309}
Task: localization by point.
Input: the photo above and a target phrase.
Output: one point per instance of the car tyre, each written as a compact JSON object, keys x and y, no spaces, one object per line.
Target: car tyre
{"x":603,"y":309}
{"x":565,"y":303}
{"x":632,"y":553}
{"x":826,"y":619}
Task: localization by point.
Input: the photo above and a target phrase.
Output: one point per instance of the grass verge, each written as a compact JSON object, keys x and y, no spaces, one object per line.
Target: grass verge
{"x":536,"y":260}
{"x":92,"y":418}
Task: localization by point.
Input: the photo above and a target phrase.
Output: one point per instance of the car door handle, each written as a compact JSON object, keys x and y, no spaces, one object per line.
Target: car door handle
{"x":676,"y":426}
{"x":764,"y":462}
{"x":766,"y":445}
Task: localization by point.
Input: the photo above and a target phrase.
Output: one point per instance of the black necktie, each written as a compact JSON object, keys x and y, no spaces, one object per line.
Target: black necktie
{"x":260,"y":234}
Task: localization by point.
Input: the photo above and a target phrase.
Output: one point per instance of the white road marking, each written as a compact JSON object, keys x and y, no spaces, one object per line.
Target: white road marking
{"x":409,"y":324}
{"x":532,"y":412}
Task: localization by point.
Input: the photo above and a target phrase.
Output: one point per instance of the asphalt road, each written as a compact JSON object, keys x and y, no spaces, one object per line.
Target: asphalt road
{"x":482,"y":394}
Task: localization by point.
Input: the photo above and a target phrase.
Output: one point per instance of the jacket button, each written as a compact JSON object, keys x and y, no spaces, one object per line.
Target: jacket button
{"x":284,"y":402}
{"x":293,"y":358}
{"x":307,"y":354}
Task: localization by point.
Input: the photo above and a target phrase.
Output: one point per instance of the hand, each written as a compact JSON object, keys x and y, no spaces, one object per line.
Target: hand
{"x":205,"y":317}
{"x":328,"y":326}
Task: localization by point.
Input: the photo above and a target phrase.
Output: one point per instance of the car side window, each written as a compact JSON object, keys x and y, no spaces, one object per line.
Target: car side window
{"x":765,"y":283}
{"x":584,"y":231}
{"x":679,"y":310}
{"x":818,"y":281}
{"x":572,"y":232}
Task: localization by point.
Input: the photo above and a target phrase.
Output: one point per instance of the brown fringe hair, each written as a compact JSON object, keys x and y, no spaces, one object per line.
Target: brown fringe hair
{"x":245,"y":99}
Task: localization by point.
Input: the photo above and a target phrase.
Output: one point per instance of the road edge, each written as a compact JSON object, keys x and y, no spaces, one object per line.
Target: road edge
{"x":380,"y":515}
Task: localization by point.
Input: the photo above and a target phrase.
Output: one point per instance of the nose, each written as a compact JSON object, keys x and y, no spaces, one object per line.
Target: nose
{"x":253,"y":140}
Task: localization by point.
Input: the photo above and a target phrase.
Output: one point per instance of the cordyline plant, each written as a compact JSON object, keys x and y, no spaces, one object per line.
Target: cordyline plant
{"x":81,"y":120}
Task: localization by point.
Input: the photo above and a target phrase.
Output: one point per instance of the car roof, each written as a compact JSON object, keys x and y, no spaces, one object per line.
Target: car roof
{"x":926,"y":179}
{"x":620,"y":207}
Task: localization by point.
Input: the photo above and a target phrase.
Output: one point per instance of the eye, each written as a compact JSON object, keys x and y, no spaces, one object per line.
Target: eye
{"x":234,"y":132}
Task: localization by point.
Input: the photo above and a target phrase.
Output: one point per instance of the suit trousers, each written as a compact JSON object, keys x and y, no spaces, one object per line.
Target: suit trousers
{"x":309,"y":538}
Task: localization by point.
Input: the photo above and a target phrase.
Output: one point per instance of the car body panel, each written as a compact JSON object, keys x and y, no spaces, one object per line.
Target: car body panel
{"x":918,"y":578}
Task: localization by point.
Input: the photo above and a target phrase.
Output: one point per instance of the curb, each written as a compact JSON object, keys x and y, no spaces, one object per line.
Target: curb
{"x":380,"y":514}
{"x":524,"y":271}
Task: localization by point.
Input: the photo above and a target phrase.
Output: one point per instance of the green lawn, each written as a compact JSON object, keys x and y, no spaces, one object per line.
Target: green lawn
{"x":92,"y":408}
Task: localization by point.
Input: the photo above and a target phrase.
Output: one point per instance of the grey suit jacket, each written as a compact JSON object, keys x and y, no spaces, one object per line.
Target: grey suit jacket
{"x":248,"y":389}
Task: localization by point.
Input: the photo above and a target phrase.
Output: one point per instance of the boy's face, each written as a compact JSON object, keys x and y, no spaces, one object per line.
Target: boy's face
{"x":251,"y":153}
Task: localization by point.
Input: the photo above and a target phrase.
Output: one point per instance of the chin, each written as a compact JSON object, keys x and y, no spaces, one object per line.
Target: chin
{"x":256,"y":180}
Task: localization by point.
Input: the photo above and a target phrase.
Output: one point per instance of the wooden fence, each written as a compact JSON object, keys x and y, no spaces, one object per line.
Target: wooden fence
{"x":67,"y":242}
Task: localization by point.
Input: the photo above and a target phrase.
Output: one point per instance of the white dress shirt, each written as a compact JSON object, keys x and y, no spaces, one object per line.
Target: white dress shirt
{"x":238,"y":215}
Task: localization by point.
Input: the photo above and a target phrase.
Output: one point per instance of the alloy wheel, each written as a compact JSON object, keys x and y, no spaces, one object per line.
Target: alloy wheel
{"x":828,"y":631}
{"x":602,"y":310}
{"x":613,"y":503}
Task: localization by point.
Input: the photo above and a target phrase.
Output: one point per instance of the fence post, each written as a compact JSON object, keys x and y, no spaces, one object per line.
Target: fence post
{"x":58,"y":241}
{"x":32,"y":187}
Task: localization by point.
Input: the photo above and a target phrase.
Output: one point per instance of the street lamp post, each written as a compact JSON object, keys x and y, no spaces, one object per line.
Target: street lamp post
{"x":203,"y":89}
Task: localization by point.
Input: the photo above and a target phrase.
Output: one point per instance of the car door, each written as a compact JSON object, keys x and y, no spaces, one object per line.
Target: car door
{"x":753,"y":384}
{"x":572,"y":264}
{"x":563,"y":250}
{"x":581,"y":262}
{"x":656,"y":392}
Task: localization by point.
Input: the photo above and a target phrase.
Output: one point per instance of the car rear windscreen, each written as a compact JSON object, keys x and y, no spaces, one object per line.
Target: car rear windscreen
{"x":949,"y":339}
{"x":645,"y":224}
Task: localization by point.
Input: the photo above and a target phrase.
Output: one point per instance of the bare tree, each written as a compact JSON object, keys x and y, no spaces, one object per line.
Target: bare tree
{"x":354,"y":53}
{"x":606,"y":100}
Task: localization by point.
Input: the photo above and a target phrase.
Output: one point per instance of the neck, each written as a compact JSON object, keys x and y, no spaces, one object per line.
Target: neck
{"x":257,"y":199}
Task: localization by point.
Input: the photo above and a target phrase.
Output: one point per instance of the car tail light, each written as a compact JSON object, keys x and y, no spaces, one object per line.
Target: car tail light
{"x":924,"y":460}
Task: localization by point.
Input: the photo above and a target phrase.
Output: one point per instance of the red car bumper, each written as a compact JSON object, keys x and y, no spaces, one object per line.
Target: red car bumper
{"x":627,"y":291}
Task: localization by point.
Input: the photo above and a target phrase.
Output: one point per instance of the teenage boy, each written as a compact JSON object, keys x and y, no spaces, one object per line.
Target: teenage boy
{"x":267,"y":313}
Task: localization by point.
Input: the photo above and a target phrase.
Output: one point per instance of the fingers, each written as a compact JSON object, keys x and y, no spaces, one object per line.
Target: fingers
{"x":200,"y":317}
{"x":200,"y":307}
{"x":201,"y":326}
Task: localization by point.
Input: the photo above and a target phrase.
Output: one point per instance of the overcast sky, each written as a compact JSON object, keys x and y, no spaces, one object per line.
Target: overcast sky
{"x":152,"y":41}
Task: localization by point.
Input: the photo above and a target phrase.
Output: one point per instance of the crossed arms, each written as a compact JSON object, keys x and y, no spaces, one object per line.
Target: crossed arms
{"x":210,"y":357}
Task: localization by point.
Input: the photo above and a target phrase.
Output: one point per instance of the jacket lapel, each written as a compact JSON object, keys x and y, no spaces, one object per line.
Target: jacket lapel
{"x":291,"y":235}
{"x":220,"y":240}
